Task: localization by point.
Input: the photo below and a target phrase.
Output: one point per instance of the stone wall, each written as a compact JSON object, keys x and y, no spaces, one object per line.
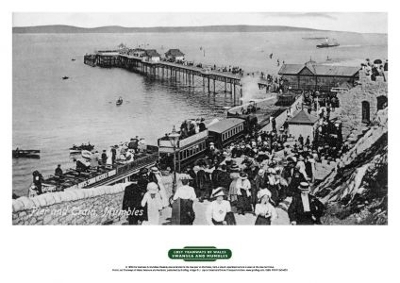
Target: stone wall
{"x":94,"y":206}
{"x":351,"y":101}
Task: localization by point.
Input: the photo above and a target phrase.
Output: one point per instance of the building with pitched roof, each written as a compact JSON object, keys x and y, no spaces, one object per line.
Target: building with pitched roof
{"x":137,"y":52}
{"x":174,"y":55}
{"x":312,"y":76}
{"x":303,"y":124}
{"x":151,"y":55}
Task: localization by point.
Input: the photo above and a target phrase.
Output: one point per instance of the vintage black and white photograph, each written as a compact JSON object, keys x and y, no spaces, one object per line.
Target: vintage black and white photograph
{"x":256,"y":118}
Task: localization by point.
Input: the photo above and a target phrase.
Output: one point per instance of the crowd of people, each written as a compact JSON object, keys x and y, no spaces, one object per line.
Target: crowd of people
{"x":314,"y":100}
{"x":191,"y":127}
{"x":92,"y":161}
{"x":144,"y":199}
{"x":253,"y":176}
{"x":375,"y":69}
{"x":117,"y":154}
{"x":223,"y":69}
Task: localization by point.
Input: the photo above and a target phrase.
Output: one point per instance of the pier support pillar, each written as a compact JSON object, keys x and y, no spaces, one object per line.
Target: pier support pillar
{"x":214,"y":85}
{"x":234,"y":95}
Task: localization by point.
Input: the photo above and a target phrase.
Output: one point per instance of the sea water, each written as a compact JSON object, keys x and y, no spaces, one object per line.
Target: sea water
{"x":52,"y":114}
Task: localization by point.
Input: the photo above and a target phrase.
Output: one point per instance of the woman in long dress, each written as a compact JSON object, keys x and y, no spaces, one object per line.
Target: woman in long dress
{"x":218,"y":210}
{"x":157,"y":179}
{"x":243,"y":188}
{"x":152,"y":199}
{"x":186,"y":195}
{"x":265,"y":211}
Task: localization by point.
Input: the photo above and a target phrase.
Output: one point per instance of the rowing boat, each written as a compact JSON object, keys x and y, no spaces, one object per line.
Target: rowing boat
{"x":26,"y":153}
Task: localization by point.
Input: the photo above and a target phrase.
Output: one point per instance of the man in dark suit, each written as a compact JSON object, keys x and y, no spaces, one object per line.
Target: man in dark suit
{"x":223,"y":179}
{"x":198,"y":181}
{"x":305,"y":209}
{"x":132,"y":205}
{"x":142,"y":181}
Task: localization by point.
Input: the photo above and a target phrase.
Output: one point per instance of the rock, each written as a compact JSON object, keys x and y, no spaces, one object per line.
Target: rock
{"x":96,"y":192}
{"x":68,"y":219}
{"x":68,"y":196}
{"x":28,"y":203}
{"x":17,"y":205}
{"x":88,"y":193}
{"x":47,"y":219}
{"x":22,"y":214}
{"x":33,"y":221}
{"x":54,"y":221}
{"x":42,"y":200}
{"x":79,"y":194}
{"x":49,"y":198}
{"x":80,"y":221}
{"x":61,"y":220}
{"x":58,"y":197}
{"x":36,"y":202}
{"x":75,"y":195}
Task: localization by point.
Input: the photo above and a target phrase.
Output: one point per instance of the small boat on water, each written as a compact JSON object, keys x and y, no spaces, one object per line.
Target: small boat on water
{"x":65,"y":78}
{"x":73,"y":59}
{"x":78,"y":149}
{"x":328,"y":44}
{"x":86,"y":154}
{"x":119,"y":101}
{"x":26,"y":153}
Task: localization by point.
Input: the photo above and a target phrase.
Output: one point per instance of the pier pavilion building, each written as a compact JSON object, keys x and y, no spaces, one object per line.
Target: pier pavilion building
{"x":313,"y":76}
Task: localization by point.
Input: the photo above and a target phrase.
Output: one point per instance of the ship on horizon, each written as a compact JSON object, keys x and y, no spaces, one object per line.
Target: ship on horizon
{"x":328,"y":43}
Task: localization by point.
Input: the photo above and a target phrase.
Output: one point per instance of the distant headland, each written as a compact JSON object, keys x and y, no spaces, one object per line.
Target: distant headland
{"x":120,"y":29}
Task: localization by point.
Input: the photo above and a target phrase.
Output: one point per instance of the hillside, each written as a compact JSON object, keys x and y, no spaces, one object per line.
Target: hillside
{"x":120,"y":29}
{"x":356,"y":190}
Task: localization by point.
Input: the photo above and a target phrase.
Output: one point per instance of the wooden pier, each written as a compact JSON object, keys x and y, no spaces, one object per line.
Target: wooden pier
{"x":192,"y":76}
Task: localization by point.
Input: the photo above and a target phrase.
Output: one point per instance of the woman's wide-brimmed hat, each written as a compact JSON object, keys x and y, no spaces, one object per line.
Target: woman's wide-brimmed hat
{"x":235,"y":168}
{"x":154,"y":170}
{"x":243,"y":175}
{"x":218,"y":192}
{"x":263,"y":192}
{"x":304,"y":186}
{"x":152,"y":187}
{"x":185,"y":177}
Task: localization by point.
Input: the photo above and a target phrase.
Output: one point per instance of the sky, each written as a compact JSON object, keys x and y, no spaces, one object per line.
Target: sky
{"x":365,"y":22}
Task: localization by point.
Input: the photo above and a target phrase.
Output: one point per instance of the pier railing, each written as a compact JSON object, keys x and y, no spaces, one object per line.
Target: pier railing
{"x":114,"y":59}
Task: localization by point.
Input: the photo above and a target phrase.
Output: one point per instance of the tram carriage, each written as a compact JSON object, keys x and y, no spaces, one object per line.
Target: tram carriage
{"x":187,"y":150}
{"x":225,"y":131}
{"x":191,"y":148}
